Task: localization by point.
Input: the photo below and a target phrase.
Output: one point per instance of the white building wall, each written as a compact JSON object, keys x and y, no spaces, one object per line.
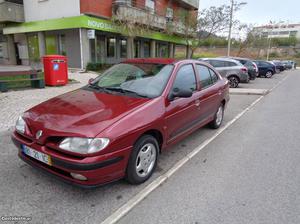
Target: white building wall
{"x":36,"y":10}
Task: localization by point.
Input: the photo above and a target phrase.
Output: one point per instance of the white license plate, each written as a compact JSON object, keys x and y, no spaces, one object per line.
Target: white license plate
{"x":37,"y":155}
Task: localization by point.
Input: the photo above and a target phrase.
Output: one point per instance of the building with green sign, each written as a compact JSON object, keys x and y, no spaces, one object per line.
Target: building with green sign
{"x":84,"y":30}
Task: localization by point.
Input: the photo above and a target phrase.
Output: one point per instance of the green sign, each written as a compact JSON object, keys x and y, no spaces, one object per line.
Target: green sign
{"x":82,"y":21}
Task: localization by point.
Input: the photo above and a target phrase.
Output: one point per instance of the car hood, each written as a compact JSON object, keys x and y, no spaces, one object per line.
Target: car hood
{"x":82,"y":112}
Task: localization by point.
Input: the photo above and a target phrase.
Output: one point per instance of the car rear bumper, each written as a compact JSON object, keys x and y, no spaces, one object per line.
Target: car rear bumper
{"x":244,"y":78}
{"x":252,"y":75}
{"x":105,"y":168}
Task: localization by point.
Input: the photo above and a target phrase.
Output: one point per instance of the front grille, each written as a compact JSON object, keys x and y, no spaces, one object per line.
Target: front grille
{"x":24,"y":138}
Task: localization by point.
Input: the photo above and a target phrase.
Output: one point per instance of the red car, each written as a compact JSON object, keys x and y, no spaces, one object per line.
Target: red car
{"x":119,"y":123}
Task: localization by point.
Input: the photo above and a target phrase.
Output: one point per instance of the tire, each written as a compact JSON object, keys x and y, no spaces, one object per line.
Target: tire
{"x":233,"y":81}
{"x":218,"y":119}
{"x":143,"y":160}
{"x":269,"y":74}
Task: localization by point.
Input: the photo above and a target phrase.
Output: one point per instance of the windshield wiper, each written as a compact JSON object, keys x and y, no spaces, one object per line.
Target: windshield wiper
{"x":93,"y":86}
{"x":125,"y":91}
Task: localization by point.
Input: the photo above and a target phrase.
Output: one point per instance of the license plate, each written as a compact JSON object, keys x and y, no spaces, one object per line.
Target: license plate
{"x":37,"y":155}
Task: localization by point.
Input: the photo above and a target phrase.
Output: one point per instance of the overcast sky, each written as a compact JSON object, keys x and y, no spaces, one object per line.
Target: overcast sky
{"x":260,"y":12}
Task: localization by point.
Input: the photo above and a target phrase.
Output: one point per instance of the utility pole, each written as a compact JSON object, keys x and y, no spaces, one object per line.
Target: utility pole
{"x":269,"y":48}
{"x":230,"y":28}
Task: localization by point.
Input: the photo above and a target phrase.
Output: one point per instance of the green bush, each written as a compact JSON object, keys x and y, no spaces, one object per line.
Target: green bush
{"x":274,"y":55}
{"x":297,"y":55}
{"x":91,"y":66}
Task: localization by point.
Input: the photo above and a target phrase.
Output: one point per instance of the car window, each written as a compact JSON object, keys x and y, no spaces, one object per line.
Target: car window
{"x":214,"y":76}
{"x":217,"y":63}
{"x":258,"y":63}
{"x":249,"y":64}
{"x":141,"y":78}
{"x":243,"y":62}
{"x":185,"y":78}
{"x":205,"y":77}
{"x":229,"y":64}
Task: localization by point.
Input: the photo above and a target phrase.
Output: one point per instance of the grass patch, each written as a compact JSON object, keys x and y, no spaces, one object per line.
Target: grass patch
{"x":181,"y":55}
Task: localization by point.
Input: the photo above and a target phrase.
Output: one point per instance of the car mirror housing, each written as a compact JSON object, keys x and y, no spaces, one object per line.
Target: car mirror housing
{"x":91,"y":80}
{"x":180,"y":93}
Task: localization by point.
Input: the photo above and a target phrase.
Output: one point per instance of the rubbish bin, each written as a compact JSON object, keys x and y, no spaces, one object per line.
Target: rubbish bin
{"x":56,"y":70}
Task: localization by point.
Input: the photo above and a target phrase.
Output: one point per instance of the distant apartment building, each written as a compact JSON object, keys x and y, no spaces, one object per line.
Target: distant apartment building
{"x":279,"y":31}
{"x":83,"y":30}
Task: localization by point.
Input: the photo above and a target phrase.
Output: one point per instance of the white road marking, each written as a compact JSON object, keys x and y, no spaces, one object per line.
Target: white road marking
{"x":129,"y":205}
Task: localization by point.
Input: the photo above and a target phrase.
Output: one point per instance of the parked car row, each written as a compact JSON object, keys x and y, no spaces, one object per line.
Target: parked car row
{"x":242,"y":70}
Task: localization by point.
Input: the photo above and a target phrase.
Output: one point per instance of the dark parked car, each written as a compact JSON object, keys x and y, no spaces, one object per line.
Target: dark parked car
{"x":279,"y":66}
{"x":250,"y":65}
{"x":232,"y":69}
{"x":287,"y":64}
{"x":265,"y":69}
{"x":117,"y":125}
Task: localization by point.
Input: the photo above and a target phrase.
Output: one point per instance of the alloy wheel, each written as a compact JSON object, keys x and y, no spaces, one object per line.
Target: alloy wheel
{"x":145,"y":160}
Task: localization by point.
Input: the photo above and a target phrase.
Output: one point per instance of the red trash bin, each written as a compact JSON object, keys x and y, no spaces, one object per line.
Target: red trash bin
{"x":56,"y":70}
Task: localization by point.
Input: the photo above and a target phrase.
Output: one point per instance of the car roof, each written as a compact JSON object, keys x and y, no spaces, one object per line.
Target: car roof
{"x":220,"y":59}
{"x":164,"y":61}
{"x":239,"y":58}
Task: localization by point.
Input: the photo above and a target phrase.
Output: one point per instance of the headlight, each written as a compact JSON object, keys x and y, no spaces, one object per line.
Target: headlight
{"x":20,"y":125}
{"x":84,"y":145}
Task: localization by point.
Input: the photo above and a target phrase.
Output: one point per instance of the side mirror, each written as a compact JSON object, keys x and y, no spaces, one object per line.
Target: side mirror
{"x":91,"y":80}
{"x":181,"y":93}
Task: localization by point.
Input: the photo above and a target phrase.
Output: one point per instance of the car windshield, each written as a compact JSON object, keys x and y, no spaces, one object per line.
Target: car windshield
{"x":140,"y":79}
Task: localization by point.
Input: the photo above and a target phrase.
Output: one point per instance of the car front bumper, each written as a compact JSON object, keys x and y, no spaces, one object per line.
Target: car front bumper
{"x":98,"y":170}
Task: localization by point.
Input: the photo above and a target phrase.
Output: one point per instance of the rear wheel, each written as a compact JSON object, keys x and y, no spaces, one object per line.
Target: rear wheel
{"x":218,"y":119}
{"x":269,"y":74}
{"x":143,"y":160}
{"x":233,"y":81}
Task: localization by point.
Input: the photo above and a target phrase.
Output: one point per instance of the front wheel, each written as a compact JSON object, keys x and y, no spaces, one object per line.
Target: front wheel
{"x":233,"y":81}
{"x":143,"y":160}
{"x":218,"y":119}
{"x":269,"y":74}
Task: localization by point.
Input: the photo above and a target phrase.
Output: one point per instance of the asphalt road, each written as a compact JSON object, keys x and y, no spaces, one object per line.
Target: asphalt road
{"x":249,"y":174}
{"x":25,"y":191}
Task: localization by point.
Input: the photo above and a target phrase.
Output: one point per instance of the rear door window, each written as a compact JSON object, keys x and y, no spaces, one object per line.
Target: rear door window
{"x":214,"y":76}
{"x":229,"y":64}
{"x":217,"y":63}
{"x":205,"y":76}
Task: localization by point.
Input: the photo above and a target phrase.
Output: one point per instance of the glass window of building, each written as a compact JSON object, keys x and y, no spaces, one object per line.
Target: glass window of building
{"x":123,"y":48}
{"x":62,"y":44}
{"x":137,"y":48}
{"x":146,"y":49}
{"x":93,"y":50}
{"x":111,"y":47}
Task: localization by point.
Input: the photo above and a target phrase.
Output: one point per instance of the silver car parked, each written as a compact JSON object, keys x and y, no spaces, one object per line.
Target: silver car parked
{"x":233,"y":70}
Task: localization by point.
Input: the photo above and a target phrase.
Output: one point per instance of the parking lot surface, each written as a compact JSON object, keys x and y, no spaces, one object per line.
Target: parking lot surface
{"x":249,"y":174}
{"x":28,"y":192}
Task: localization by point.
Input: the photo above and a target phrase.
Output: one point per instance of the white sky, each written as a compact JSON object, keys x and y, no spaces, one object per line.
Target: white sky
{"x":259,"y":12}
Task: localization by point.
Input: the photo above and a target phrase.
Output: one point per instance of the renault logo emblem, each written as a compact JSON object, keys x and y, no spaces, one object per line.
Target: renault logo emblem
{"x":38,"y":134}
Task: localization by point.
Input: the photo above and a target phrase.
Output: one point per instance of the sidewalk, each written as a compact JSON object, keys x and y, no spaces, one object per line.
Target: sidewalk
{"x":14,"y":103}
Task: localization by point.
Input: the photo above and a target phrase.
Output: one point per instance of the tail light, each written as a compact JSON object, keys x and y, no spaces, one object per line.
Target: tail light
{"x":244,"y":69}
{"x":255,"y":66}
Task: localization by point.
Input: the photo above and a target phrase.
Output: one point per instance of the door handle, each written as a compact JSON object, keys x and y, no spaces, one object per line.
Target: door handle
{"x":197,"y":103}
{"x":220,"y":92}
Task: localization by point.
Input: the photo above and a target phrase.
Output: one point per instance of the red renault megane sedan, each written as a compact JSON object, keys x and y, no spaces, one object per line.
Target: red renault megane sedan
{"x":118,"y":124}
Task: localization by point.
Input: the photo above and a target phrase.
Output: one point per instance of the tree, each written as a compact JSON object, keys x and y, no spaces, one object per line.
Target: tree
{"x":207,"y":24}
{"x":188,"y":25}
{"x":216,"y":20}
